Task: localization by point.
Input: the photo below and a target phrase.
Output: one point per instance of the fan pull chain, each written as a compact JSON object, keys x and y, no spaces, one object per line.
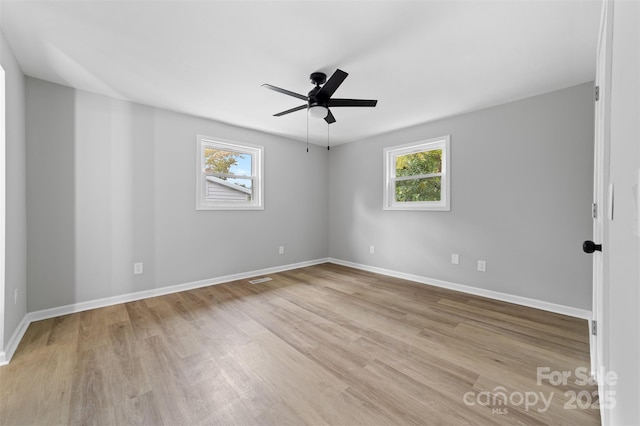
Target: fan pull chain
{"x":328,"y":137}
{"x":307,"y":132}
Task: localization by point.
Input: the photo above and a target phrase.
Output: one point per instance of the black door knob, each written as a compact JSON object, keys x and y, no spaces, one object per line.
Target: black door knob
{"x":589,"y":247}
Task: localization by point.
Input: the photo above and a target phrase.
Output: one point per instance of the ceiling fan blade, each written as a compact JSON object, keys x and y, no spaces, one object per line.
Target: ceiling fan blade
{"x":352,"y":102}
{"x":286,"y":92}
{"x":298,"y":108}
{"x":330,"y":118}
{"x":332,"y":84}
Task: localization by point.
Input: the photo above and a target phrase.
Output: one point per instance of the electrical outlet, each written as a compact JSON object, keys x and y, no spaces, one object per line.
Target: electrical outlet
{"x":482,"y":265}
{"x":372,"y":249}
{"x":455,"y":259}
{"x":281,"y":250}
{"x":137,"y":268}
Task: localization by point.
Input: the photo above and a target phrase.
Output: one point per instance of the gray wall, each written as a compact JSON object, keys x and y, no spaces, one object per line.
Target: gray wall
{"x":50,"y":194}
{"x":15,"y":210}
{"x":521,"y":191}
{"x":521,"y":195}
{"x":111,"y":183}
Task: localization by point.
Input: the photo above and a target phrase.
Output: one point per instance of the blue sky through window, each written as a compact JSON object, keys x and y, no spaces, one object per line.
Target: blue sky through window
{"x":241,"y":168}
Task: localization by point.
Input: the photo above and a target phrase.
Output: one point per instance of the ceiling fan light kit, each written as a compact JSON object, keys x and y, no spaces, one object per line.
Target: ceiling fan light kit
{"x":319,"y":98}
{"x":318,"y":111}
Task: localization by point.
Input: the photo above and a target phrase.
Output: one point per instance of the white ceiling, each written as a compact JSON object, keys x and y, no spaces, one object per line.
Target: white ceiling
{"x":422,"y":60}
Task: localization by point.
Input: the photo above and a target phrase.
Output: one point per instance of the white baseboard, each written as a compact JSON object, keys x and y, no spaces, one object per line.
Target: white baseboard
{"x":5,"y":357}
{"x":14,"y":341}
{"x":518,"y":300}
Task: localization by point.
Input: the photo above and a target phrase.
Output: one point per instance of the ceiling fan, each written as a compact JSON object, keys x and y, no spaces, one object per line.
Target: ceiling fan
{"x":319,"y":98}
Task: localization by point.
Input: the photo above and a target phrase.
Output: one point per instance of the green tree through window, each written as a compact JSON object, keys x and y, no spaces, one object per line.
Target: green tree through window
{"x":419,"y":164}
{"x":417,"y":175}
{"x":217,"y":161}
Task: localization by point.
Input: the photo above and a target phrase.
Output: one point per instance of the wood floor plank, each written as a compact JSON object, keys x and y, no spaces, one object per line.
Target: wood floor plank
{"x":511,"y":319}
{"x":48,"y":400}
{"x":138,"y":410}
{"x":325,"y":344}
{"x":142,"y":320}
{"x":127,"y":378}
{"x":90,"y":401}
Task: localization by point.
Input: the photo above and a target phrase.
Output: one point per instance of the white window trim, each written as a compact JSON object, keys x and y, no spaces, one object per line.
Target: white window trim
{"x":391,"y":153}
{"x":257,"y":174}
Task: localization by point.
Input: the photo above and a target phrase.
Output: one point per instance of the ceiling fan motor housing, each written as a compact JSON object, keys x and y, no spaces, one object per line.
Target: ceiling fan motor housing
{"x":314,"y":99}
{"x":317,"y":78}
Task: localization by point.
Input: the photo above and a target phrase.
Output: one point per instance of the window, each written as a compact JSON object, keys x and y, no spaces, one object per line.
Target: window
{"x":417,"y":176}
{"x":229,"y":175}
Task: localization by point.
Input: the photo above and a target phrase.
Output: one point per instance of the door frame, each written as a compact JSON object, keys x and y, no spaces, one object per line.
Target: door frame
{"x":3,"y":169}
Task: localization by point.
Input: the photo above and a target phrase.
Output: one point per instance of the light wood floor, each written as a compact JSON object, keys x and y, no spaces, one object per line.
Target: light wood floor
{"x":319,"y":345}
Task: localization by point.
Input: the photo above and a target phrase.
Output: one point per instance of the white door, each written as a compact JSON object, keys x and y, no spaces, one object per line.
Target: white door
{"x":601,"y":192}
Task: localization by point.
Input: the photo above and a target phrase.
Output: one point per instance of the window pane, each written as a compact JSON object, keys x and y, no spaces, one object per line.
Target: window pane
{"x":419,"y":163}
{"x":426,"y":189}
{"x":228,"y":190}
{"x":230,"y":175}
{"x":228,"y":162}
